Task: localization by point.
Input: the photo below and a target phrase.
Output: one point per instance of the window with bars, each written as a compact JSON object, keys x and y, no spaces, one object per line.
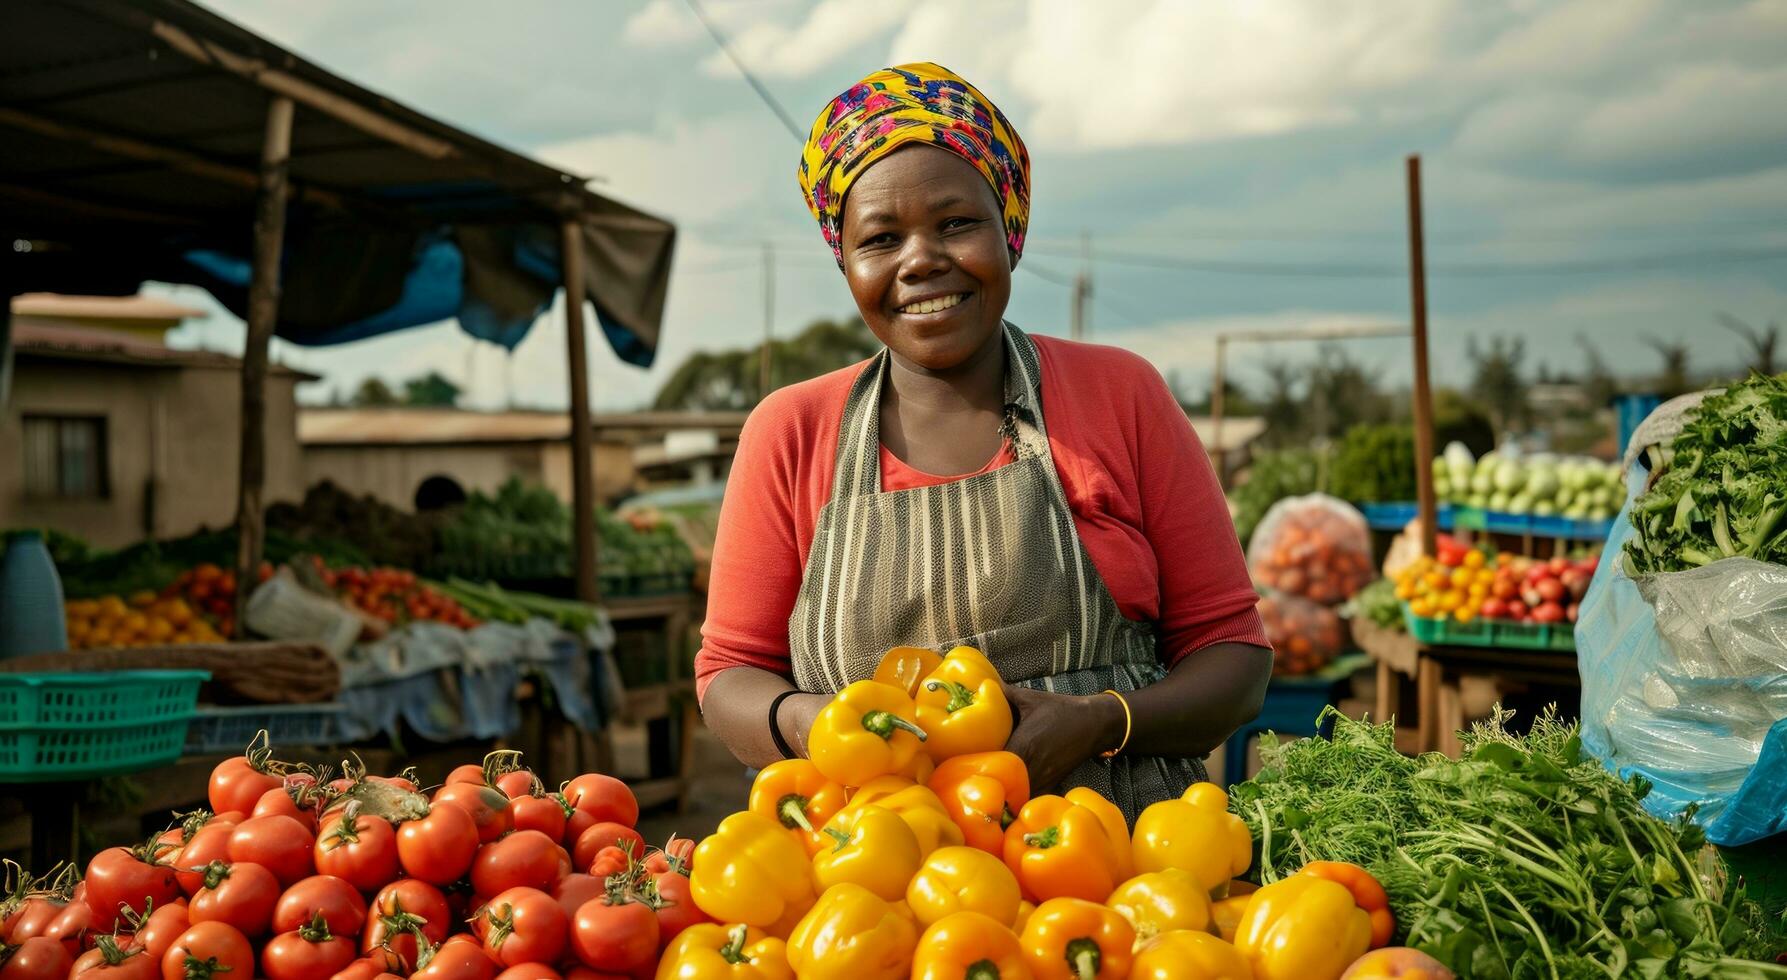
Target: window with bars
{"x":65,"y":457}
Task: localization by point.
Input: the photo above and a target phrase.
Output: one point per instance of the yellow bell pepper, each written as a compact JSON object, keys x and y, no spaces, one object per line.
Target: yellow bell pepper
{"x":1225,"y":915}
{"x":1302,"y":928}
{"x":962,"y":706}
{"x":1059,"y":849}
{"x":1368,"y":894}
{"x":906,"y":667}
{"x":795,"y":794}
{"x":852,"y":935}
{"x":919,"y":770}
{"x":1161,"y":902}
{"x":1115,"y":827}
{"x":749,"y":870}
{"x":983,"y":794}
{"x":1194,"y":833}
{"x":964,"y":879}
{"x":872,"y":847}
{"x":969,"y":946}
{"x":1069,"y":939}
{"x":1026,"y":909}
{"x":916,"y":804}
{"x":1189,"y":955}
{"x":710,"y":951}
{"x":866,"y":731}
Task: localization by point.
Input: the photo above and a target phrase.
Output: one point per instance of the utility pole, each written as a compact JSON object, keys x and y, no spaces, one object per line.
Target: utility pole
{"x":1082,"y":288}
{"x":769,"y":320}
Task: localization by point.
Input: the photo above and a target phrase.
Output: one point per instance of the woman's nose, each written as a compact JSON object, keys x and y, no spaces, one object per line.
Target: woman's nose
{"x":922,"y":258}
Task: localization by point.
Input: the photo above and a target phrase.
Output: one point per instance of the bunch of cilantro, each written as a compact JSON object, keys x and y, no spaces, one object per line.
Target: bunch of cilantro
{"x":1723,"y":491}
{"x":1525,"y":859}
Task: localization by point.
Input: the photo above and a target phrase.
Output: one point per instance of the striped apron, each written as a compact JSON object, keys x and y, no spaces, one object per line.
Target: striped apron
{"x":992,"y":561}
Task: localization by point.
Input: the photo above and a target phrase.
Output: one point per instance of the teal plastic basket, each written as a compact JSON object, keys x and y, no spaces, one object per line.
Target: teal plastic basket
{"x":82,"y":726}
{"x":228,"y":730}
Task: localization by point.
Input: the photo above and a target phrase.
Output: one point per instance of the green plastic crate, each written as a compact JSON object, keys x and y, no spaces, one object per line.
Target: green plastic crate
{"x":82,"y":726}
{"x":1447,"y":631}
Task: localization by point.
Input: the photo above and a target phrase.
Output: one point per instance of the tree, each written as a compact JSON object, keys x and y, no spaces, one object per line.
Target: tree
{"x":1762,"y":341}
{"x":430,"y":389}
{"x":1282,"y":407}
{"x":730,"y":379}
{"x":1342,"y":393}
{"x":1672,"y":379}
{"x":1496,"y":381}
{"x":1598,"y":383}
{"x":374,"y":393}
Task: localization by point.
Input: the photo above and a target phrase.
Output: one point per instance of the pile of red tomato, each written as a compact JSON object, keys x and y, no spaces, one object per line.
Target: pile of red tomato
{"x":293,"y":876}
{"x":394,"y":595}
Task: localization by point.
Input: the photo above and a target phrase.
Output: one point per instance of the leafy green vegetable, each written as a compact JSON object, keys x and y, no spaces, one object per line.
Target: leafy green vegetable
{"x":1274,"y":475}
{"x":1378,"y":603}
{"x":1374,"y":463}
{"x":1722,"y":493}
{"x":1525,"y":859}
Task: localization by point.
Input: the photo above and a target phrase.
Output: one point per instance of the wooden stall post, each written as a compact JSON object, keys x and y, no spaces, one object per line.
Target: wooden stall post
{"x":1427,"y":510}
{"x":263,"y":314}
{"x":583,"y":490}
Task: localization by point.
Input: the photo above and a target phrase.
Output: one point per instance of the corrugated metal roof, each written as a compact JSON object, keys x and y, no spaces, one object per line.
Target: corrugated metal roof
{"x":422,"y":426}
{"x":99,"y":345}
{"x":137,"y":307}
{"x":1237,"y":431}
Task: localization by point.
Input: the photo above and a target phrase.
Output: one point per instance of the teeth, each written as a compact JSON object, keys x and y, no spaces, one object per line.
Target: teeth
{"x":934,"y":305}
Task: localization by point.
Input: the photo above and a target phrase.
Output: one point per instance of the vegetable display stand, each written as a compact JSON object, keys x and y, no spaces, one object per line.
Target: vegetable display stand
{"x":1291,"y":707}
{"x":1442,"y":668}
{"x":660,"y":694}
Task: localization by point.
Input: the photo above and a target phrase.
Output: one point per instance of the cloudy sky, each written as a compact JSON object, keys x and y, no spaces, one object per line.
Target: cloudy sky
{"x":1608,"y":171}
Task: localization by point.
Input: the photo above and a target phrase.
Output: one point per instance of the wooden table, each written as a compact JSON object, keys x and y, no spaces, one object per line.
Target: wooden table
{"x":668,"y":710}
{"x":1442,"y":667}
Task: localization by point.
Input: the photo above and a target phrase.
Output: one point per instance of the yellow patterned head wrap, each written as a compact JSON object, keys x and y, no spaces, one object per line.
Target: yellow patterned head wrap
{"x":911,"y":103}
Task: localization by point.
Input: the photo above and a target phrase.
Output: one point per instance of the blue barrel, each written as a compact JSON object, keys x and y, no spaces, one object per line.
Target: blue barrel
{"x":1632,"y":410}
{"x":30,"y":598}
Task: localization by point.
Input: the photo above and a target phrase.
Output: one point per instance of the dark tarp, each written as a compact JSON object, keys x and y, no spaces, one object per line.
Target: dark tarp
{"x":130,"y":136}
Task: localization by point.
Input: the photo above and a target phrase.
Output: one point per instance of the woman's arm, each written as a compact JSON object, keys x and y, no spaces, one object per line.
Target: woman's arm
{"x":1196,"y":707}
{"x":737,"y":709}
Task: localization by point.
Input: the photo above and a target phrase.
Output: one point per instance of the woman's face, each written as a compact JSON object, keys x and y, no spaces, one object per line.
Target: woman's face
{"x":925,"y":256}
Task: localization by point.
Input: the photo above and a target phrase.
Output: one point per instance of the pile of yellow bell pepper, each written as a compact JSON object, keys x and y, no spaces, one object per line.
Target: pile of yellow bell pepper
{"x":909,"y":845}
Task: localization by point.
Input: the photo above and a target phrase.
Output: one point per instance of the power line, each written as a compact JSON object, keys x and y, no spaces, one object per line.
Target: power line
{"x":737,"y":62}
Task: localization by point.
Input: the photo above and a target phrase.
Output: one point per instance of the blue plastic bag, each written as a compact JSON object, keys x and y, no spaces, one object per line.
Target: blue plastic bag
{"x":1684,"y":682}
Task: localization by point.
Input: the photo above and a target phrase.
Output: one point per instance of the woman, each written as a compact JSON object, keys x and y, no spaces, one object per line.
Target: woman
{"x":1083,"y":544}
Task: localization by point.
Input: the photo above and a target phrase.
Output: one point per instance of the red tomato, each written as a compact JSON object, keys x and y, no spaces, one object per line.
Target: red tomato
{"x":164,"y":925}
{"x":38,"y":958}
{"x":517,"y":784}
{"x":279,"y":844}
{"x":459,"y":958}
{"x":471,"y":772}
{"x":575,"y":889}
{"x":488,"y":807}
{"x":242,"y":895}
{"x":237,"y":785}
{"x":375,"y":964}
{"x":622,"y":937}
{"x":398,"y":911}
{"x":610,"y":861}
{"x":542,"y":813}
{"x":209,"y":843}
{"x":209,"y":951}
{"x":362,"y":852}
{"x":522,"y":925}
{"x":524,"y":859}
{"x":340,"y":905}
{"x":279,"y":801}
{"x":401,"y":782}
{"x":676,"y":908}
{"x":580,"y":972}
{"x":607,"y":834}
{"x":576,"y":822}
{"x":298,"y":956}
{"x":72,"y":922}
{"x":438,"y":848}
{"x":523,"y":971}
{"x":31,"y":918}
{"x":605,"y":796}
{"x":678,"y":855}
{"x":111,"y":961}
{"x":128,"y":878}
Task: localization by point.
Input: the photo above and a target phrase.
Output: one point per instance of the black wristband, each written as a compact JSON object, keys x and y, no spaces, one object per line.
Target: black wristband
{"x":775,"y":730}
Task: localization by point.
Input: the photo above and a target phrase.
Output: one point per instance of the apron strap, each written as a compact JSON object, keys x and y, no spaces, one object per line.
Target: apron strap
{"x":858,"y":469}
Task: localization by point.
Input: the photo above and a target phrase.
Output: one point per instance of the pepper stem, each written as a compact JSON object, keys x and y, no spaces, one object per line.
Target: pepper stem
{"x":734,"y":950}
{"x":883,"y":723}
{"x":982,"y":970}
{"x":842,"y":838}
{"x":1006,"y":817}
{"x":1044,"y":839}
{"x":792,"y":809}
{"x":959,"y":695}
{"x":1084,"y":956}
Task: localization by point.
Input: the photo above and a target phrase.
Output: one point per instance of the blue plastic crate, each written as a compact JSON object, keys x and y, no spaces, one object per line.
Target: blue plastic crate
{"x":1395,"y":515}
{"x":221,"y":729}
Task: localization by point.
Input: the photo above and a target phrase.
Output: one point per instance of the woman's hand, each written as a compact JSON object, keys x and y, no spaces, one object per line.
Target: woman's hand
{"x":1056,"y":732}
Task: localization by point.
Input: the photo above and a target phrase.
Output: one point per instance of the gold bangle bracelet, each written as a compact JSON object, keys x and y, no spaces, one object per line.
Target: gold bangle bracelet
{"x":1128,"y":725}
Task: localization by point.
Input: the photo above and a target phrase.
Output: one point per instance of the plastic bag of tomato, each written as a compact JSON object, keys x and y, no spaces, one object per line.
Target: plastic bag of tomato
{"x":295,"y":874}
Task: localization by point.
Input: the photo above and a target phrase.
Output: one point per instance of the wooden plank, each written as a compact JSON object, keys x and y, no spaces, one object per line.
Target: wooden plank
{"x":623,"y":609}
{"x":1426,"y":508}
{"x":1427,"y":699}
{"x":263,"y":315}
{"x":583,"y":476}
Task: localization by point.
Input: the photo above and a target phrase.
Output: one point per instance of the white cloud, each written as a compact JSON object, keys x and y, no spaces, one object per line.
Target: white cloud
{"x":691,"y":170}
{"x":774,"y":49}
{"x":661,"y":23}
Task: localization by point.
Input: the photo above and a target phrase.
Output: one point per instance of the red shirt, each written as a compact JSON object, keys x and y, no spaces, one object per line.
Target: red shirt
{"x":1144,"y":498}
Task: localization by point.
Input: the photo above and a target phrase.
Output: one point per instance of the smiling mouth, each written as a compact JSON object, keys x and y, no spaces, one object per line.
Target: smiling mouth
{"x":937,"y":305}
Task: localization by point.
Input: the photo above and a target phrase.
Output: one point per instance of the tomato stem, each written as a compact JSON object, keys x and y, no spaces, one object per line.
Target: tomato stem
{"x":316,"y":930}
{"x":205,"y":969}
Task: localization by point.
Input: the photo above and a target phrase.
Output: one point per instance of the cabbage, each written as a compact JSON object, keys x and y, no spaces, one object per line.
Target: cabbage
{"x":1510,"y":477}
{"x":1542,"y":482}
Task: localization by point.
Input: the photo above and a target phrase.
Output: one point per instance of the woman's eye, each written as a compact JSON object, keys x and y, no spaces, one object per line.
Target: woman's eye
{"x":885,"y":238}
{"x":960,"y":222}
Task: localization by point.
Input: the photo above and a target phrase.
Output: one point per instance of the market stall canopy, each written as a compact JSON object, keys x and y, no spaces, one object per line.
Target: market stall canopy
{"x":132,"y":136}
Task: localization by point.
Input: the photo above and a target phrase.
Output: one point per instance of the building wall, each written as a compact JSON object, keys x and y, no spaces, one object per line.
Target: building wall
{"x":613,"y":462}
{"x":392,"y":473}
{"x":170,"y":432}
